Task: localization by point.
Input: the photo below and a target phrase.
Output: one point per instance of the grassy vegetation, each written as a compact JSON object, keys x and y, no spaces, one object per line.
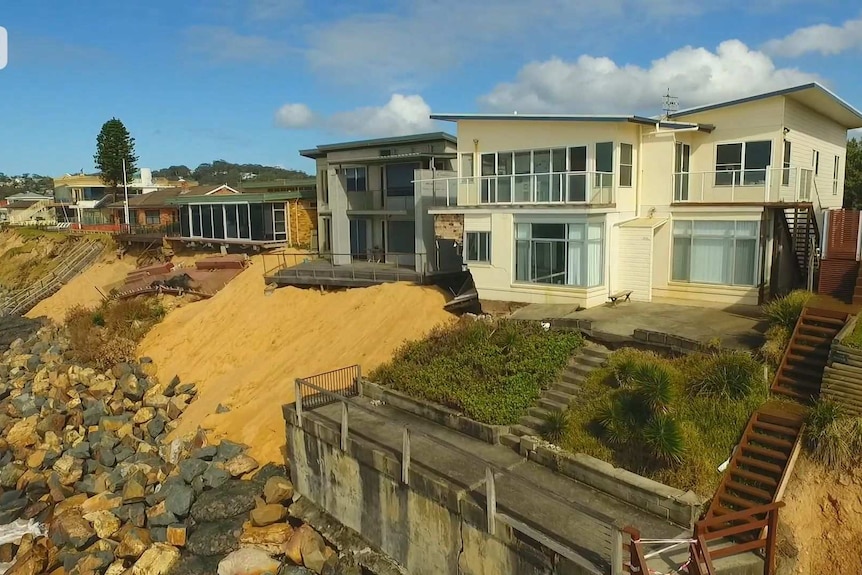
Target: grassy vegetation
{"x":782,"y":315}
{"x":491,"y":371}
{"x":109,"y":334}
{"x":854,"y":340}
{"x":833,"y":437}
{"x":673,"y":420}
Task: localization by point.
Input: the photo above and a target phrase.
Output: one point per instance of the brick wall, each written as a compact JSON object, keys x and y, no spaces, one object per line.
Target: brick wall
{"x":167,"y":216}
{"x":449,"y":227}
{"x":302,"y":221}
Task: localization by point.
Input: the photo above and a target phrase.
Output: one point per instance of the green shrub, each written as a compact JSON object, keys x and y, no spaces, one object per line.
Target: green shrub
{"x":654,"y":384}
{"x":728,"y":375}
{"x":777,"y":338}
{"x":625,"y":363}
{"x":491,"y":371}
{"x":664,"y":438}
{"x":834,"y":438}
{"x":854,"y":339}
{"x":785,"y":311}
{"x":555,"y":425}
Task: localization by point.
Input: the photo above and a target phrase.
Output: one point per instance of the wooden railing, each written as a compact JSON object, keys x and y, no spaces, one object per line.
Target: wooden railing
{"x":751,"y":530}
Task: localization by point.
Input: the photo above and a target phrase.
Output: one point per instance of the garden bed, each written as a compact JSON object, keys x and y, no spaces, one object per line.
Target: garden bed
{"x":671,"y":420}
{"x":491,"y":371}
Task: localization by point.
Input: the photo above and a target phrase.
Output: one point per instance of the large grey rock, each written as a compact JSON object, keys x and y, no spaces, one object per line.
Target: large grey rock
{"x":132,"y":387}
{"x":191,"y":468}
{"x":214,"y":477}
{"x":229,"y":449}
{"x":178,"y":499}
{"x":217,"y":538}
{"x":230,"y":500}
{"x":195,"y":565}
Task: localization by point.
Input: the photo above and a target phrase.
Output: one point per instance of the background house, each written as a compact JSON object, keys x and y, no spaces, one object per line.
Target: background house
{"x":28,"y":208}
{"x":369,"y":204}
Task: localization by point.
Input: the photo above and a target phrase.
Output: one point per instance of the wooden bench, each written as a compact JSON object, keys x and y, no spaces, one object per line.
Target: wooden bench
{"x":624,"y":295}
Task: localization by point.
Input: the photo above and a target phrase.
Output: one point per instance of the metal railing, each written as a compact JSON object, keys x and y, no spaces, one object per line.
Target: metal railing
{"x":589,"y":519}
{"x":560,"y":188}
{"x":172,"y":229}
{"x":375,"y":265}
{"x":792,"y":184}
{"x":346,"y":382}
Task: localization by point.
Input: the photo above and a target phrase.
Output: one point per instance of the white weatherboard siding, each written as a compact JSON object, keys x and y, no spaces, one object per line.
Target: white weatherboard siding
{"x":634,"y":264}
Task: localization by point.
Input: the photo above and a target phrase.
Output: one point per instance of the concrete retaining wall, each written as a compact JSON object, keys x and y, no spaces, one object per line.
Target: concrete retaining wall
{"x":680,"y":507}
{"x":430,"y":527}
{"x":436,"y":413}
{"x":842,"y":377}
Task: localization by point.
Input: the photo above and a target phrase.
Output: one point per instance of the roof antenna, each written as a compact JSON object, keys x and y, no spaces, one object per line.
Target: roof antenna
{"x":670,"y":104}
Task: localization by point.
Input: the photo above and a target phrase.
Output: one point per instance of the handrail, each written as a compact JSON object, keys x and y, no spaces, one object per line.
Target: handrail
{"x":738,"y":515}
{"x":348,"y":403}
{"x":353,"y":265}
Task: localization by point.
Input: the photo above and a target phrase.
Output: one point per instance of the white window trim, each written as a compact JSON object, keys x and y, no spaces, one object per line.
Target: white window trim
{"x":742,"y":169}
{"x":757,"y":248}
{"x":564,"y":287}
{"x":620,"y":165}
{"x":467,"y":259}
{"x":354,"y":170}
{"x":836,"y":173}
{"x":815,"y":162}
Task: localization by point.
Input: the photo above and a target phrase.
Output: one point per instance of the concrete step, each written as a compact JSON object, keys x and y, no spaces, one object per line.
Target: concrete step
{"x":510,"y":440}
{"x":566,"y":388}
{"x":580,"y":369}
{"x":539,"y":412}
{"x":521,"y":430}
{"x":551,"y":404}
{"x":561,"y":397}
{"x":535,"y":423}
{"x":572,"y":378}
{"x":590,"y":360}
{"x":596,"y":351}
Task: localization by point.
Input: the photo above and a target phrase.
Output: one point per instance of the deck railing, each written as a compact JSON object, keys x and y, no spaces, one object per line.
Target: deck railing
{"x":309,"y":396}
{"x":370,"y":265}
{"x":793,"y":184}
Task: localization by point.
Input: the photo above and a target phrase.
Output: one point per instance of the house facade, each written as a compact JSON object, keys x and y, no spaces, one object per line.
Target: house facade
{"x":721,"y":203}
{"x":301,"y":207}
{"x":370,"y":204}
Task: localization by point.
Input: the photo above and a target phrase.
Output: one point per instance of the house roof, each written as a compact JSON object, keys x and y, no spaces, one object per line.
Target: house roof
{"x":21,"y":204}
{"x":250,"y":198}
{"x":648,"y":223}
{"x":206,"y":190}
{"x":813,"y":95}
{"x":634,"y":119}
{"x":157,"y":199}
{"x":310,"y":181}
{"x":322,"y":150}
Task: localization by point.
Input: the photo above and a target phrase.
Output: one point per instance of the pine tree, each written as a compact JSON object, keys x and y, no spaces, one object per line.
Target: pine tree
{"x":113,"y":145}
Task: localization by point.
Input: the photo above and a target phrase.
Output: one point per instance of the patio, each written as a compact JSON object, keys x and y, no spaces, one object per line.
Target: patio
{"x":322,"y":272}
{"x":739,"y":327}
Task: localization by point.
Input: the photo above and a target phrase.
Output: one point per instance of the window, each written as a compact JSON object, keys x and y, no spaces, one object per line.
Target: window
{"x":356,"y":179}
{"x":466,"y":165}
{"x":835,"y":176}
{"x":559,"y":254}
{"x":744,"y":162}
{"x":785,"y":172}
{"x":626,"y":165}
{"x":151,"y":217}
{"x":715,"y":252}
{"x":815,"y":162}
{"x":399,"y":179}
{"x":478,"y":247}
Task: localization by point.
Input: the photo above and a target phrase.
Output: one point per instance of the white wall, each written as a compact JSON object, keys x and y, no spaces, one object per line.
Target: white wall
{"x":635,"y":261}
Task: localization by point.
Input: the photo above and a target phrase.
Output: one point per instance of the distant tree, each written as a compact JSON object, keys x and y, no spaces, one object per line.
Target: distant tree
{"x":853,"y":175}
{"x":113,"y":145}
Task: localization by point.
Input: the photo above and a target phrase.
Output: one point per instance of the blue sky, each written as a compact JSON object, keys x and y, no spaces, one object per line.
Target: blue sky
{"x":256,"y":80}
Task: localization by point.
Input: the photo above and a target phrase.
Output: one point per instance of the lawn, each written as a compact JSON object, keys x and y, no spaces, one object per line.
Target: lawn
{"x":672,"y":420}
{"x":854,"y":340}
{"x":492,"y":371}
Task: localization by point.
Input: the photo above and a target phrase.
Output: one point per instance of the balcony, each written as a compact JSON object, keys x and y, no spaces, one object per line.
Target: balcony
{"x":770,"y":185}
{"x":558,"y":188}
{"x":369,"y":202}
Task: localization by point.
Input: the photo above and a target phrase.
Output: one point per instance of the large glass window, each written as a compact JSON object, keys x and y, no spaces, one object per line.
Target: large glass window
{"x":715,"y":252}
{"x":466,"y":165}
{"x":478,"y":247}
{"x":742,"y":163}
{"x":357,"y":179}
{"x":152,"y":217}
{"x":560,"y":254}
{"x":399,"y":179}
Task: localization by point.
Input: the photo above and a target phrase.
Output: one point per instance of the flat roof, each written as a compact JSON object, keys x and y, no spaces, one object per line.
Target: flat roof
{"x":321,"y":150}
{"x":248,"y":198}
{"x":813,"y":95}
{"x":634,"y":119}
{"x":282,"y":183}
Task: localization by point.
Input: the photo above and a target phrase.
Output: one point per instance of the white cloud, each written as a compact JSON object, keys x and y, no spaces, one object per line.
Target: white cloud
{"x":400,"y":115}
{"x":822,"y":38}
{"x":221,"y":45}
{"x":294,"y":116}
{"x":857,"y":134}
{"x":599,"y":85}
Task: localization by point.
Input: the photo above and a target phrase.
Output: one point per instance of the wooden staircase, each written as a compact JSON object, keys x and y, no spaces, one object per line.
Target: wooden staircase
{"x":804,"y":235}
{"x":801,"y":370}
{"x":761,"y":462}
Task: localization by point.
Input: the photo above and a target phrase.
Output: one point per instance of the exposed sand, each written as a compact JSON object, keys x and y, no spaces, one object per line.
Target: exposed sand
{"x":244,"y":349}
{"x":84,"y":289}
{"x":824,"y":515}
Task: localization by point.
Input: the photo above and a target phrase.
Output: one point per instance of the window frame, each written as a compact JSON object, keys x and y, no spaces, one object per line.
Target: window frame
{"x":630,"y":165}
{"x":738,"y":175}
{"x":836,"y":170}
{"x":583,"y":242}
{"x":815,"y":161}
{"x":483,"y":240}
{"x":147,"y":217}
{"x":353,"y":174}
{"x":785,"y":163}
{"x":735,"y":238}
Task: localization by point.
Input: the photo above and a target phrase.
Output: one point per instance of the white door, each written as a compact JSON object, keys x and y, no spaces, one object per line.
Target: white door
{"x":634,"y":264}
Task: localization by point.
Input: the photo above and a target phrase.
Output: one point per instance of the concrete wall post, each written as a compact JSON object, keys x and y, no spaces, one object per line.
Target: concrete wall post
{"x":297,"y":394}
{"x":343,"y":426}
{"x":491,"y":500}
{"x":405,"y":457}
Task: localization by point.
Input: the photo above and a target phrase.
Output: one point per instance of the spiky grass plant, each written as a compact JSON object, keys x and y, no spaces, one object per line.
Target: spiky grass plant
{"x":785,"y":311}
{"x":664,"y":438}
{"x":728,"y":375}
{"x":555,"y":425}
{"x":654,"y":384}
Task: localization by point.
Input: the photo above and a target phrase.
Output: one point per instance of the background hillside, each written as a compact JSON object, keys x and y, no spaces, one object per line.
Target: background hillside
{"x":222,"y":172}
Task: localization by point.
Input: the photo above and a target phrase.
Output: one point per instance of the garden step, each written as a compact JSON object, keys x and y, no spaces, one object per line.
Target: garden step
{"x":594,"y":351}
{"x":802,"y":371}
{"x":788,"y":380}
{"x":748,"y":448}
{"x":733,"y":500}
{"x":789,"y":392}
{"x":760,"y":464}
{"x":561,"y":397}
{"x":756,"y":477}
{"x":552,"y":405}
{"x":521,"y":430}
{"x":776,"y":428}
{"x":806,"y":360}
{"x":813,"y":339}
{"x":591,"y":360}
{"x":834,"y":321}
{"x":818,"y":330}
{"x":579,"y":369}
{"x":510,"y":440}
{"x":771,"y":440}
{"x":807,"y":350}
{"x":539,"y":412}
{"x":536,"y":423}
{"x":566,"y":388}
{"x":572,"y":378}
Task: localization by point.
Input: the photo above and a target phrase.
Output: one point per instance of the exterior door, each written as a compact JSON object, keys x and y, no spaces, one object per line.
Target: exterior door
{"x":359,"y":238}
{"x":682,"y":158}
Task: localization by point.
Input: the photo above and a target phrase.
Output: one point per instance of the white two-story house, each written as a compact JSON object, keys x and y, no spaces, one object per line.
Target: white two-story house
{"x":721,"y":203}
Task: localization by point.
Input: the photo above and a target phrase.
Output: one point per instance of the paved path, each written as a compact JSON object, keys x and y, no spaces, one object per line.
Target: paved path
{"x":539,"y":500}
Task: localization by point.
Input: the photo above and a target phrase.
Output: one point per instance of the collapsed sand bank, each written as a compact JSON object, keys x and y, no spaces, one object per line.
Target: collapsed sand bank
{"x":244,"y":349}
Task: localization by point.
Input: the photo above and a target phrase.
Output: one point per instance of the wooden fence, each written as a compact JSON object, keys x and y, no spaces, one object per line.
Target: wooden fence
{"x":842,"y":377}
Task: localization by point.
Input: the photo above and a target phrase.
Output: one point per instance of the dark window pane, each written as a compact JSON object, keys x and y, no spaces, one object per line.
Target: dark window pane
{"x":522,"y":163}
{"x":488,"y":164}
{"x":399,"y":179}
{"x":625,"y":175}
{"x":578,"y":159}
{"x":559,"y":160}
{"x":626,"y":154}
{"x":549,"y":231}
{"x":728,"y":155}
{"x":605,"y":157}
